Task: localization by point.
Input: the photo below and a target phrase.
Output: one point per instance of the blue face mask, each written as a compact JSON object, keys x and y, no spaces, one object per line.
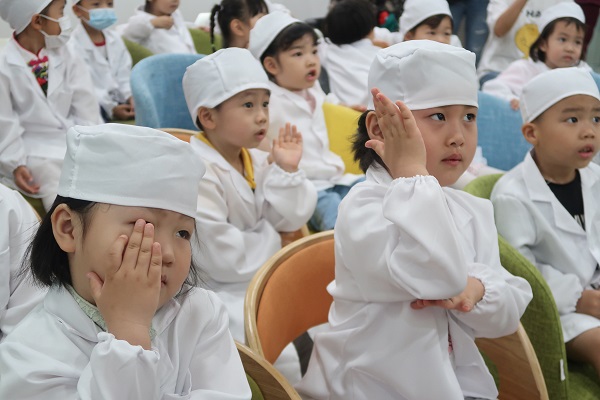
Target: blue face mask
{"x":101,"y":18}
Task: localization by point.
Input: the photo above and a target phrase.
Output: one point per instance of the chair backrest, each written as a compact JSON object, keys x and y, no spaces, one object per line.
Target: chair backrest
{"x":202,"y":43}
{"x":158,"y":92}
{"x":136,"y":51}
{"x":341,"y":123}
{"x":288,"y":295}
{"x":181,"y":134}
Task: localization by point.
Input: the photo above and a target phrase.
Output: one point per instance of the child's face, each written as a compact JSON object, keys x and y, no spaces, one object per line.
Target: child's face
{"x":450,"y":137}
{"x":442,"y":34}
{"x":55,"y":11}
{"x":107,"y":222}
{"x":298,"y":67}
{"x":564,"y":45}
{"x":163,"y":7}
{"x":81,"y":9}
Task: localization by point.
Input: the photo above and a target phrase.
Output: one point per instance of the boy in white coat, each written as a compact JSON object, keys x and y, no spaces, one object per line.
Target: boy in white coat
{"x":547,"y":206}
{"x":44,"y":90}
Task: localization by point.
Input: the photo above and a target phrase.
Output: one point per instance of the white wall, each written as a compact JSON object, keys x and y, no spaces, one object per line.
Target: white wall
{"x":190,"y":8}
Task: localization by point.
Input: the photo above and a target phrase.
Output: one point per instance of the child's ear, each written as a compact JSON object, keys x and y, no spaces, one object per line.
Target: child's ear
{"x":207,"y":118}
{"x":270,"y":65}
{"x":36,"y":22}
{"x":530,"y":132}
{"x":77,"y":11}
{"x":373,"y":128}
{"x":65,"y":227}
{"x":409,"y":36}
{"x":237,"y":27}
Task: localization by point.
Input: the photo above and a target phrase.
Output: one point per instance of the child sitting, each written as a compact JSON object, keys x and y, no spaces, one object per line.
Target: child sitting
{"x":122,"y":318}
{"x":418,"y":273}
{"x":428,"y":20}
{"x":107,"y":57}
{"x":547,"y":206}
{"x":559,"y":45}
{"x":45,"y":89}
{"x":236,"y":18}
{"x":287,"y":49}
{"x":159,"y":26}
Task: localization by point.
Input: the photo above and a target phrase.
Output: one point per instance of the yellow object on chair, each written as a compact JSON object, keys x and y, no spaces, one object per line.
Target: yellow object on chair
{"x":341,"y":125}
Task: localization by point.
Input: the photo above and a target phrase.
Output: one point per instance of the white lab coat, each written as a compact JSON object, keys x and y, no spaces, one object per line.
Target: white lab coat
{"x":534,"y":221}
{"x":395,"y":242}
{"x":178,"y":39}
{"x":59,"y":353}
{"x":238,"y":228}
{"x":110,"y":75}
{"x":322,"y":166}
{"x":18,"y":295}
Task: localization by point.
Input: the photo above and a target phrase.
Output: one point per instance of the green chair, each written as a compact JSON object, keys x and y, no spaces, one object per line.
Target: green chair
{"x":137,"y":51}
{"x":541,"y":321}
{"x":202,"y":41}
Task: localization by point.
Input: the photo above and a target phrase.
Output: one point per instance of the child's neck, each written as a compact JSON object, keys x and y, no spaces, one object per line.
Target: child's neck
{"x":95,"y":35}
{"x":552,"y":172}
{"x":31,"y":40}
{"x":231,"y":154}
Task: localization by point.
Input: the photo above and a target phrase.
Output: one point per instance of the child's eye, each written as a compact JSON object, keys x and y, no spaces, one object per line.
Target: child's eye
{"x":315,"y":51}
{"x":248,"y":105}
{"x":579,"y":42}
{"x":596,"y":119}
{"x":266,"y":104}
{"x":184,"y":234}
{"x":572,"y":120}
{"x":297,"y":54}
{"x":561,"y":39}
{"x":438,"y":117}
{"x":470,"y":117}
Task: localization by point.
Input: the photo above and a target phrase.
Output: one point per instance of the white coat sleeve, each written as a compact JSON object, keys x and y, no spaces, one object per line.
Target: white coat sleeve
{"x":12,"y":149}
{"x":138,"y":28}
{"x":124,"y":70}
{"x":290,"y":198}
{"x":85,"y":109}
{"x":509,"y":84}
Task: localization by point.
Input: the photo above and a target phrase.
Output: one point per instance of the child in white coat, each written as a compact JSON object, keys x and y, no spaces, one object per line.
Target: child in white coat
{"x":559,"y":45}
{"x":428,"y":20}
{"x":547,"y":206}
{"x":287,"y":49}
{"x":418,"y":273}
{"x":122,"y":318}
{"x":107,"y":57}
{"x":44,"y":90}
{"x":159,"y":26}
{"x":235,"y":19}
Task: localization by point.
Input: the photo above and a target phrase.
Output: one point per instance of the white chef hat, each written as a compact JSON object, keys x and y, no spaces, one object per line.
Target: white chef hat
{"x":131,"y":165}
{"x":219,"y":76}
{"x":266,"y":30}
{"x":550,"y":87}
{"x":18,"y":13}
{"x":560,"y":10}
{"x":425,"y":74}
{"x":417,"y":11}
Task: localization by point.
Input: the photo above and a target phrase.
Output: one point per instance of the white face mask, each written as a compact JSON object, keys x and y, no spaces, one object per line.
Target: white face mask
{"x":56,"y":41}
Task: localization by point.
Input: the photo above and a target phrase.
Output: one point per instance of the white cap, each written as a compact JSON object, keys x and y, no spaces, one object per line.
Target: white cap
{"x":417,"y":11}
{"x":560,"y":10}
{"x":219,"y":76}
{"x":266,"y":30}
{"x":18,"y":13}
{"x":131,"y":165}
{"x":425,"y":74}
{"x":550,"y":87}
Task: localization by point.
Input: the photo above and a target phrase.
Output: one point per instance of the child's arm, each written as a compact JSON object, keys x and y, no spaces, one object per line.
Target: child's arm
{"x":140,"y":26}
{"x":84,"y":108}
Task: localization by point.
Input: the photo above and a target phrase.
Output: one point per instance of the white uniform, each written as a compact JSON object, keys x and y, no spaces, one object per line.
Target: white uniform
{"x":239,"y":228}
{"x":178,"y":39}
{"x":534,"y":221}
{"x":18,"y":295}
{"x":59,"y":353}
{"x":397,"y":241}
{"x":111,"y":71}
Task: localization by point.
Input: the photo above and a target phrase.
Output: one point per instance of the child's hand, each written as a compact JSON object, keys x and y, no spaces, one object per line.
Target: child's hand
{"x":163,"y":22}
{"x":123,"y":112}
{"x":463,"y":302}
{"x":514,"y":104}
{"x":589,"y":303}
{"x":24,"y":180}
{"x":129,"y":295}
{"x":287,"y":150}
{"x":402,"y":149}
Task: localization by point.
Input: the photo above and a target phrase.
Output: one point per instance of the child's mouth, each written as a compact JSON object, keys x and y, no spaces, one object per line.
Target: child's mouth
{"x":312,"y":75}
{"x":453,"y":160}
{"x":587,"y":152}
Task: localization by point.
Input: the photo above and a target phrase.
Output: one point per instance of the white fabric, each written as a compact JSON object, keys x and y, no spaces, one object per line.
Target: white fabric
{"x":239,"y":227}
{"x":178,"y":39}
{"x":18,"y":295}
{"x":399,"y":72}
{"x":266,"y":30}
{"x":219,"y":76}
{"x":116,"y":164}
{"x":18,"y":13}
{"x":47,"y":173}
{"x":417,"y":11}
{"x":272,"y":7}
{"x":533,"y":220}
{"x":59,"y":353}
{"x":111,"y":71}
{"x":560,"y":10}
{"x":395,"y":242}
{"x":548,"y":88}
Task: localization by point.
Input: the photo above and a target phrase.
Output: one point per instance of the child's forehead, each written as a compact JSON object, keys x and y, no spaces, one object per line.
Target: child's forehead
{"x":577,"y":102}
{"x":249,"y":93}
{"x":139,"y":212}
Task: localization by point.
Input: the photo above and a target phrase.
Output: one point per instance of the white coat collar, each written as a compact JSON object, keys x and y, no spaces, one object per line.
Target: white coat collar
{"x":84,"y":40}
{"x":297,"y":99}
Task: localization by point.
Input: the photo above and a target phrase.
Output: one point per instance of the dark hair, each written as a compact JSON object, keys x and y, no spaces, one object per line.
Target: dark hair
{"x":363,"y":155}
{"x":227,"y":11}
{"x":433,"y":22}
{"x":538,"y":54}
{"x":350,"y":21}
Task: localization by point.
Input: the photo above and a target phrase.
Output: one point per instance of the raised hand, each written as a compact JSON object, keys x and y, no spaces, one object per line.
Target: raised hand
{"x":163,"y":22}
{"x":286,"y":151}
{"x":463,"y":302}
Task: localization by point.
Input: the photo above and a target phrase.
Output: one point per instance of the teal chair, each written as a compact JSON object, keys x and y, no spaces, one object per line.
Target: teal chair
{"x":542,"y":322}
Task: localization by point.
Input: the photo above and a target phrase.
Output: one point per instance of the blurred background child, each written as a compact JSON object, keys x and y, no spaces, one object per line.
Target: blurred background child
{"x":235,"y":20}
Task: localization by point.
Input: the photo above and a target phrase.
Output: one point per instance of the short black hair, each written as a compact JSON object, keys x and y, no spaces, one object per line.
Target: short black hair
{"x":363,"y":155}
{"x":433,"y":22}
{"x":538,"y":54}
{"x":227,"y":11}
{"x":350,"y":21}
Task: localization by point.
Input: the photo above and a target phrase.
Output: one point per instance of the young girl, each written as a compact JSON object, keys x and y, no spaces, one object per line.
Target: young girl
{"x":417,"y":273}
{"x":122,"y":319}
{"x":45,"y":89}
{"x":107,"y":57}
{"x":428,"y":20}
{"x":287,"y":49}
{"x":159,"y":26}
{"x":236,"y":18}
{"x":559,"y":45}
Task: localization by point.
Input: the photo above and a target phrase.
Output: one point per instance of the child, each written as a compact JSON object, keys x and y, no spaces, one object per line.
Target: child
{"x":427,"y":19}
{"x":17,"y":294}
{"x":417,"y":273}
{"x":236,"y":18}
{"x":159,"y":26}
{"x":107,"y":57}
{"x":287,"y":49}
{"x":547,"y":206}
{"x":44,"y":90}
{"x":122,"y":319}
{"x":559,"y":45}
